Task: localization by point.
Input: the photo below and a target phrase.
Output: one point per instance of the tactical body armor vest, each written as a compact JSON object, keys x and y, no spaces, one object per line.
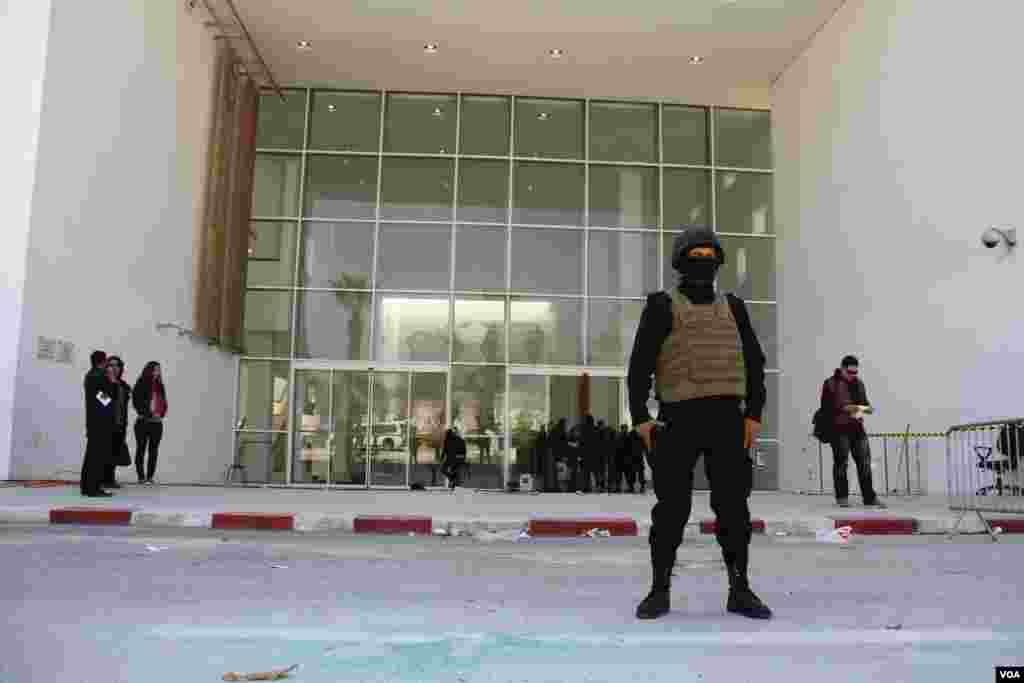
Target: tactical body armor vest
{"x":703,"y":354}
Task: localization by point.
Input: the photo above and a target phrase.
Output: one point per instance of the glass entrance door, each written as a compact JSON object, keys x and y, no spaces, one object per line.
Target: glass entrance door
{"x":368,"y":428}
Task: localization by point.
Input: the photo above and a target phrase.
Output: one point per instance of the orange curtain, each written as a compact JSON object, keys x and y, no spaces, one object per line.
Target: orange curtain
{"x":218,"y":292}
{"x":583,"y":394}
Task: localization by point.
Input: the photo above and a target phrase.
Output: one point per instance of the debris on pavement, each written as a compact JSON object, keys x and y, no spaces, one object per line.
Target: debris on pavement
{"x":894,"y":626}
{"x":278,"y":566}
{"x":782,"y":533}
{"x":598,"y":533}
{"x":276,"y":675}
{"x":441,"y":532}
{"x":156,"y":548}
{"x":840,"y":535}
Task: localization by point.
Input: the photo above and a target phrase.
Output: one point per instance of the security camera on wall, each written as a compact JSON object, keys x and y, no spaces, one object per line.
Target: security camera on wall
{"x":993,"y":236}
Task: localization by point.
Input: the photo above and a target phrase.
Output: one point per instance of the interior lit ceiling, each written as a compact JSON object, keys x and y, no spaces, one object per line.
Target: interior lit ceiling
{"x":612,"y":49}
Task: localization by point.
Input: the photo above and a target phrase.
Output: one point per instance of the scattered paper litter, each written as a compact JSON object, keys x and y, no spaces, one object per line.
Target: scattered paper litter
{"x":278,"y":566}
{"x":598,"y":533}
{"x":840,"y":535}
{"x":156,"y":548}
{"x":276,"y":675}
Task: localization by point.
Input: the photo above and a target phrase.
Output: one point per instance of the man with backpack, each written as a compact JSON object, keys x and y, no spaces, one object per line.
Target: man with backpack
{"x":838,"y":422}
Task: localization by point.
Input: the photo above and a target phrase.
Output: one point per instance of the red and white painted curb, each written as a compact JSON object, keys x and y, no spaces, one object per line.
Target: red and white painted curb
{"x":421,"y":525}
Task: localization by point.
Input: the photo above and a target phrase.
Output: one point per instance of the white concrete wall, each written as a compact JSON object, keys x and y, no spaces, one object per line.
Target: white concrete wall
{"x":897,"y":140}
{"x":122,"y":142}
{"x":24,"y":37}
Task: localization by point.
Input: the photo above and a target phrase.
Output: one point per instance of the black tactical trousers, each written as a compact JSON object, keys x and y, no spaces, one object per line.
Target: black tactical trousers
{"x":712,"y":428}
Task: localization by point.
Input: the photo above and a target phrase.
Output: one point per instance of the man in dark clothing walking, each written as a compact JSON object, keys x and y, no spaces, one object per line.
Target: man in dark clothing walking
{"x":708,"y":369}
{"x":844,"y":399}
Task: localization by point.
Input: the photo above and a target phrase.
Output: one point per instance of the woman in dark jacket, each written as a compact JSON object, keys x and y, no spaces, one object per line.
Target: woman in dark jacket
{"x":121,"y":393}
{"x":150,"y":400}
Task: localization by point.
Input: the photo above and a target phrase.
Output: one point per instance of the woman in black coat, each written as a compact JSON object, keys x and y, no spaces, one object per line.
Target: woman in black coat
{"x":121,"y":393}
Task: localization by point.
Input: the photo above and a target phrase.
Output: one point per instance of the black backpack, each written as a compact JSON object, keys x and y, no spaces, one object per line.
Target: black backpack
{"x":821,"y":424}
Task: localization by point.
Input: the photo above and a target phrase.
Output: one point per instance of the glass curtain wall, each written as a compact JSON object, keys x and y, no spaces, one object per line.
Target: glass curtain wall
{"x":471,"y":234}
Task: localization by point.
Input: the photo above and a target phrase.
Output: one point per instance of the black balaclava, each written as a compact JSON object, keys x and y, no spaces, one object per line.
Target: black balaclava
{"x":697,"y":273}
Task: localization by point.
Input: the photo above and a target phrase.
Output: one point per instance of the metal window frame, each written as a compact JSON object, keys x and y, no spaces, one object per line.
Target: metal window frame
{"x":507,"y":295}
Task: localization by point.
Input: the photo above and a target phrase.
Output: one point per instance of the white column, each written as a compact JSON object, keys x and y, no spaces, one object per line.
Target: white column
{"x":24,"y":36}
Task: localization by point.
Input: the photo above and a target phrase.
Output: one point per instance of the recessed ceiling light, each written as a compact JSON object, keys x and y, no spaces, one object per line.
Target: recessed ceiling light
{"x":332,"y":107}
{"x":556,"y":52}
{"x":430,"y":48}
{"x":543,"y":116}
{"x":304,"y":45}
{"x":696,"y":59}
{"x":437,"y":112}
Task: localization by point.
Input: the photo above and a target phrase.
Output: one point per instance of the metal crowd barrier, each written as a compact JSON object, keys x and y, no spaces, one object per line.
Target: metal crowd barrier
{"x":898,"y":463}
{"x":984,"y":468}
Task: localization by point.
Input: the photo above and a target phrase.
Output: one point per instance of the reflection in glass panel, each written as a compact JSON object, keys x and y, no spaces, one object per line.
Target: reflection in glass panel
{"x":337,"y":255}
{"x":770,"y":416}
{"x":622,"y":263}
{"x":420,"y":124}
{"x":271,"y":255}
{"x":480,"y":258}
{"x":333,"y":325}
{"x":390,"y":429}
{"x":749,"y":270}
{"x":612,"y":327}
{"x":687,"y":198}
{"x":624,"y":196}
{"x":416,"y":189}
{"x":351,"y":402}
{"x":341,"y":187}
{"x":312,"y":457}
{"x":564,"y":399}
{"x":275,"y":192}
{"x":345,"y":121}
{"x":263,"y":395}
{"x":764,"y":319}
{"x":479,"y":330}
{"x":416,"y":256}
{"x":548,"y":194}
{"x":546,"y":331}
{"x":483,"y":191}
{"x":745,"y":203}
{"x":264,"y":456}
{"x":280,"y":124}
{"x":485,"y":125}
{"x":478,"y":398}
{"x":606,"y":400}
{"x":743,"y":139}
{"x":267,"y":323}
{"x":685,"y":131}
{"x":547,"y":260}
{"x":623,"y":131}
{"x":428,"y":421}
{"x":411,"y":327}
{"x":550,"y":129}
{"x":766,"y":467}
{"x":313,"y":400}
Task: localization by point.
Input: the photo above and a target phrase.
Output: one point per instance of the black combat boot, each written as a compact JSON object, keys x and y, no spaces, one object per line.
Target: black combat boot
{"x":741,"y":599}
{"x":656,"y":603}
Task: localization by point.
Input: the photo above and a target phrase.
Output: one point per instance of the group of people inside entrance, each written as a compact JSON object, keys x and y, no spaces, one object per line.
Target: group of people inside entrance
{"x":107,"y":397}
{"x":589,"y":457}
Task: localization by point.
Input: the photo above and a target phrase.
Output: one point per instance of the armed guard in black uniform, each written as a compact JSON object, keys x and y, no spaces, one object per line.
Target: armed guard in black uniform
{"x":708,"y":370}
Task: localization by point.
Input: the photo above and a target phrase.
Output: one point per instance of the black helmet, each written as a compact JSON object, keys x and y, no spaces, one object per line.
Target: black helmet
{"x":695,"y":237}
